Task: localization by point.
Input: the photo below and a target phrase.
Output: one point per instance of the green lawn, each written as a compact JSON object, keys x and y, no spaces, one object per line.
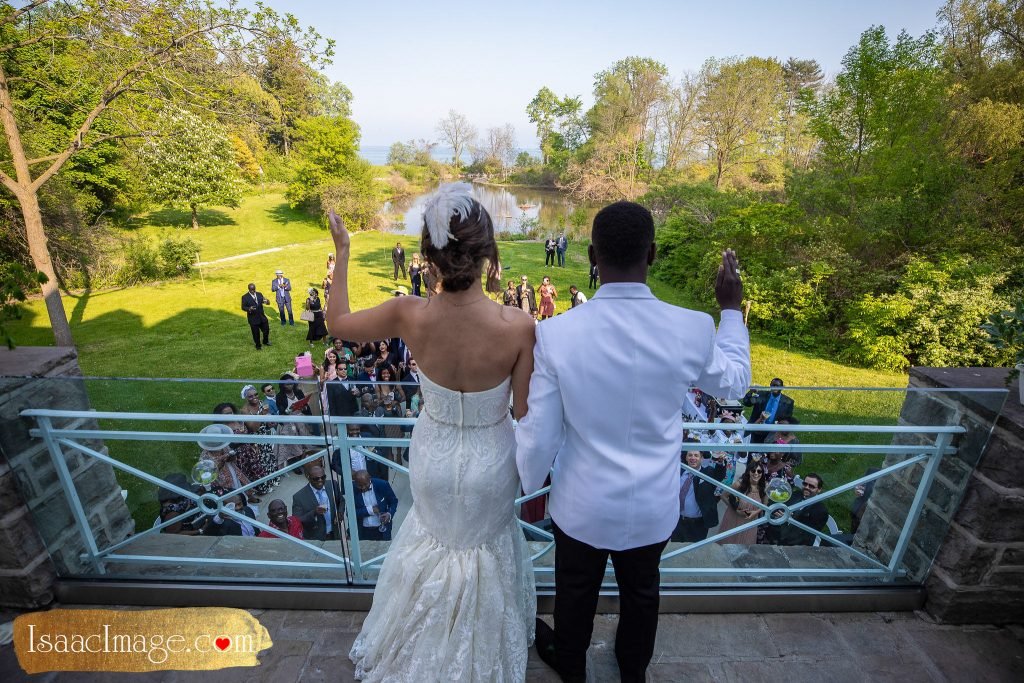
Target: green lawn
{"x":262,"y":221}
{"x":195,"y":328}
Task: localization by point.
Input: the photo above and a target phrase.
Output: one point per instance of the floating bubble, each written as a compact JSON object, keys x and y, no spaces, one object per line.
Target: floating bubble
{"x":204,"y":472}
{"x":779,"y":490}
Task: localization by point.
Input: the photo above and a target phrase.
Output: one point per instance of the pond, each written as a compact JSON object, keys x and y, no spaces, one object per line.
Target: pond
{"x":513,"y":210}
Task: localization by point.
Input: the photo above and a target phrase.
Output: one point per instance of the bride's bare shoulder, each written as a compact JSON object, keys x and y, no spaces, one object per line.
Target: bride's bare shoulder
{"x":515,"y":316}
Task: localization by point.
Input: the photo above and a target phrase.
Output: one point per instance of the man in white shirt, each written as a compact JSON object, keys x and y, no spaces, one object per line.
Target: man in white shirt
{"x":613,"y":437}
{"x":576,"y":297}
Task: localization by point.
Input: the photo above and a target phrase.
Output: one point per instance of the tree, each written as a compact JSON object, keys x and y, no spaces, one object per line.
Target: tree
{"x":402,"y":153}
{"x":740,"y":110}
{"x":458,"y":132}
{"x":128,"y":54}
{"x":676,"y":140}
{"x":329,"y":148}
{"x":560,"y":125}
{"x":803,"y":80}
{"x":501,"y":146}
{"x":543,"y":112}
{"x":616,"y":159}
{"x":192,"y":163}
{"x":293,"y":84}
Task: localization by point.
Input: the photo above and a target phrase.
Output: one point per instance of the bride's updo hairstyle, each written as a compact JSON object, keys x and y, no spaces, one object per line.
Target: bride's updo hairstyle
{"x":458,"y":237}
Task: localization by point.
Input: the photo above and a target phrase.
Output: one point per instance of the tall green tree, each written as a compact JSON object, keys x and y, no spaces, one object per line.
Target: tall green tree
{"x":329,"y":147}
{"x":803,"y":79}
{"x":128,"y":54}
{"x":192,"y":163}
{"x":883,"y":164}
{"x":560,"y":125}
{"x":617,"y":158}
{"x":740,"y":111}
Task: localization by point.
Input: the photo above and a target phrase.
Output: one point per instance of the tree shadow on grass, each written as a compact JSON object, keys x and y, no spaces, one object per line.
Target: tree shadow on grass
{"x":284,"y":214}
{"x":378,"y":262}
{"x":170,"y":217}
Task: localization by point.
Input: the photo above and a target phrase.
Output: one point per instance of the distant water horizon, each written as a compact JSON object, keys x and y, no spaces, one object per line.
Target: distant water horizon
{"x":378,"y":154}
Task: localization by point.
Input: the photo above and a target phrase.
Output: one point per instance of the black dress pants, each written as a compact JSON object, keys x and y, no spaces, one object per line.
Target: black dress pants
{"x":579,"y":569}
{"x":689,"y":530}
{"x":257,"y":328}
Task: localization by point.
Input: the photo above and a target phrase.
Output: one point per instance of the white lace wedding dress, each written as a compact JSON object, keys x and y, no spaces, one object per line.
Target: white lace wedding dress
{"x":455,"y":598}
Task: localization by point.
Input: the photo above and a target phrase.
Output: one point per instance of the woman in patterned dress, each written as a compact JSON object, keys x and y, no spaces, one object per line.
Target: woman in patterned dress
{"x":247,"y":456}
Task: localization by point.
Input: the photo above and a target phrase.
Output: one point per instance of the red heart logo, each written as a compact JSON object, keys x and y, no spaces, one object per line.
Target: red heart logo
{"x":222,"y":643}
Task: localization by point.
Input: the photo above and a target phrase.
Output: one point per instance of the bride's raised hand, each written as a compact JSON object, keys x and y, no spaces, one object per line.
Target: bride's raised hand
{"x":338,"y":231}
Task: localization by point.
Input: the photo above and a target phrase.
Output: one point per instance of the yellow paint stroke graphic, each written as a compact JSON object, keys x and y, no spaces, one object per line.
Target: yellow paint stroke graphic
{"x":191,"y":639}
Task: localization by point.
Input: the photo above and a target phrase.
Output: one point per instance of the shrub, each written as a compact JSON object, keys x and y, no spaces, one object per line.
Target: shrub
{"x":933,"y":318}
{"x":15,"y":282}
{"x":177,"y":256}
{"x":141,"y":262}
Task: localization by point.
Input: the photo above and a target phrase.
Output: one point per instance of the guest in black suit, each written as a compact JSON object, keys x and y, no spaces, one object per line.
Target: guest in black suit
{"x":342,"y":394}
{"x":319,"y":512}
{"x":376,"y":504}
{"x":398,"y":259}
{"x":698,"y":504}
{"x":228,"y":526}
{"x":770,"y":407}
{"x":814,"y":515}
{"x":253,"y":303}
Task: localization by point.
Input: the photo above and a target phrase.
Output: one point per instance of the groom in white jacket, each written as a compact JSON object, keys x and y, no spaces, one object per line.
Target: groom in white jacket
{"x":611,"y":429}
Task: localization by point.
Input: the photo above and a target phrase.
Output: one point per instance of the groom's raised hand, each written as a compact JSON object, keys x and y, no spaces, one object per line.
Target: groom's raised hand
{"x":728,"y":287}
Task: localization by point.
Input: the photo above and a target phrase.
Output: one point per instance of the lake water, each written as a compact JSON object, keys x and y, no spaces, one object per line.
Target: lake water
{"x":512,"y":209}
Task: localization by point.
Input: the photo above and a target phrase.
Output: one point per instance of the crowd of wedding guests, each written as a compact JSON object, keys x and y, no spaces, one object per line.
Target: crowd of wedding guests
{"x":379,"y":379}
{"x":750,"y":473}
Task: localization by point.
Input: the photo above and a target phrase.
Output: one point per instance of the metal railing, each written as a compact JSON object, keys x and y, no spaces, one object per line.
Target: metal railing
{"x":348,"y":565}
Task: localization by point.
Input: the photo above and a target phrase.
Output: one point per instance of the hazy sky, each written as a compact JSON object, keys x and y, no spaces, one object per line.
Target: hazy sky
{"x":407,"y":63}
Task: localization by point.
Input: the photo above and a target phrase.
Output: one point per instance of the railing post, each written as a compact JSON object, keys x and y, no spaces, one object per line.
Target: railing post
{"x":942,"y":440}
{"x":61,"y":465}
{"x":355,"y":552}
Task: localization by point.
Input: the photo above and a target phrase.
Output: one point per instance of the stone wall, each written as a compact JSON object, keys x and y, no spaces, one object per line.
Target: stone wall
{"x":973,"y":518}
{"x":36,"y":522}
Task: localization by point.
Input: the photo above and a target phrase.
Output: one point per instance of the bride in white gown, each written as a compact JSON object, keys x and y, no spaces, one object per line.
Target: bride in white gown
{"x":455,"y":598}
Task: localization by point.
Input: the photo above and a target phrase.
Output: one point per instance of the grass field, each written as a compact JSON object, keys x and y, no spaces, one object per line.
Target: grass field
{"x":195,"y":328}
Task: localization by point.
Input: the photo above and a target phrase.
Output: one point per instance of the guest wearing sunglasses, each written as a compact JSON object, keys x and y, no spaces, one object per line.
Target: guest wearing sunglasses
{"x":739,"y":511}
{"x":319,"y":512}
{"x":698,"y":504}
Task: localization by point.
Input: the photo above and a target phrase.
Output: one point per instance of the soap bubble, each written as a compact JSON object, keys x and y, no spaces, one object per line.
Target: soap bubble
{"x":779,"y":490}
{"x":204,"y":472}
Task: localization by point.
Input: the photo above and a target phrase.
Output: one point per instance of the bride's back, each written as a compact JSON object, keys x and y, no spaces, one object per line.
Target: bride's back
{"x":469,"y":346}
{"x":462,"y":340}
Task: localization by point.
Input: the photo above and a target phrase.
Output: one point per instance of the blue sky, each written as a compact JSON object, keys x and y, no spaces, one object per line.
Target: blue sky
{"x":408,"y":63}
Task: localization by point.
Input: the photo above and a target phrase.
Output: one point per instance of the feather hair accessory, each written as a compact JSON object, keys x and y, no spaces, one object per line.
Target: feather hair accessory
{"x":450,"y":200}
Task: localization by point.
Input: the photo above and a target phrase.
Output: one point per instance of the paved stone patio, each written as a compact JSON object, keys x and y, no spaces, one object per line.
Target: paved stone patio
{"x":905,"y":647}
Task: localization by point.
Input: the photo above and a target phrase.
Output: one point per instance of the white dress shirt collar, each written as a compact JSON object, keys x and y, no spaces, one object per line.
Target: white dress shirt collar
{"x":623,"y":290}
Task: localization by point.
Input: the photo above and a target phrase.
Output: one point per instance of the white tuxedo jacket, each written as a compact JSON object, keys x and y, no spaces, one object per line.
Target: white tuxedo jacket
{"x":605,"y":410}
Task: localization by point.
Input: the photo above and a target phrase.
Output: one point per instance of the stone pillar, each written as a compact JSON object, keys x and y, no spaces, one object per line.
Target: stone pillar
{"x":973,"y":518}
{"x":36,"y":523}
